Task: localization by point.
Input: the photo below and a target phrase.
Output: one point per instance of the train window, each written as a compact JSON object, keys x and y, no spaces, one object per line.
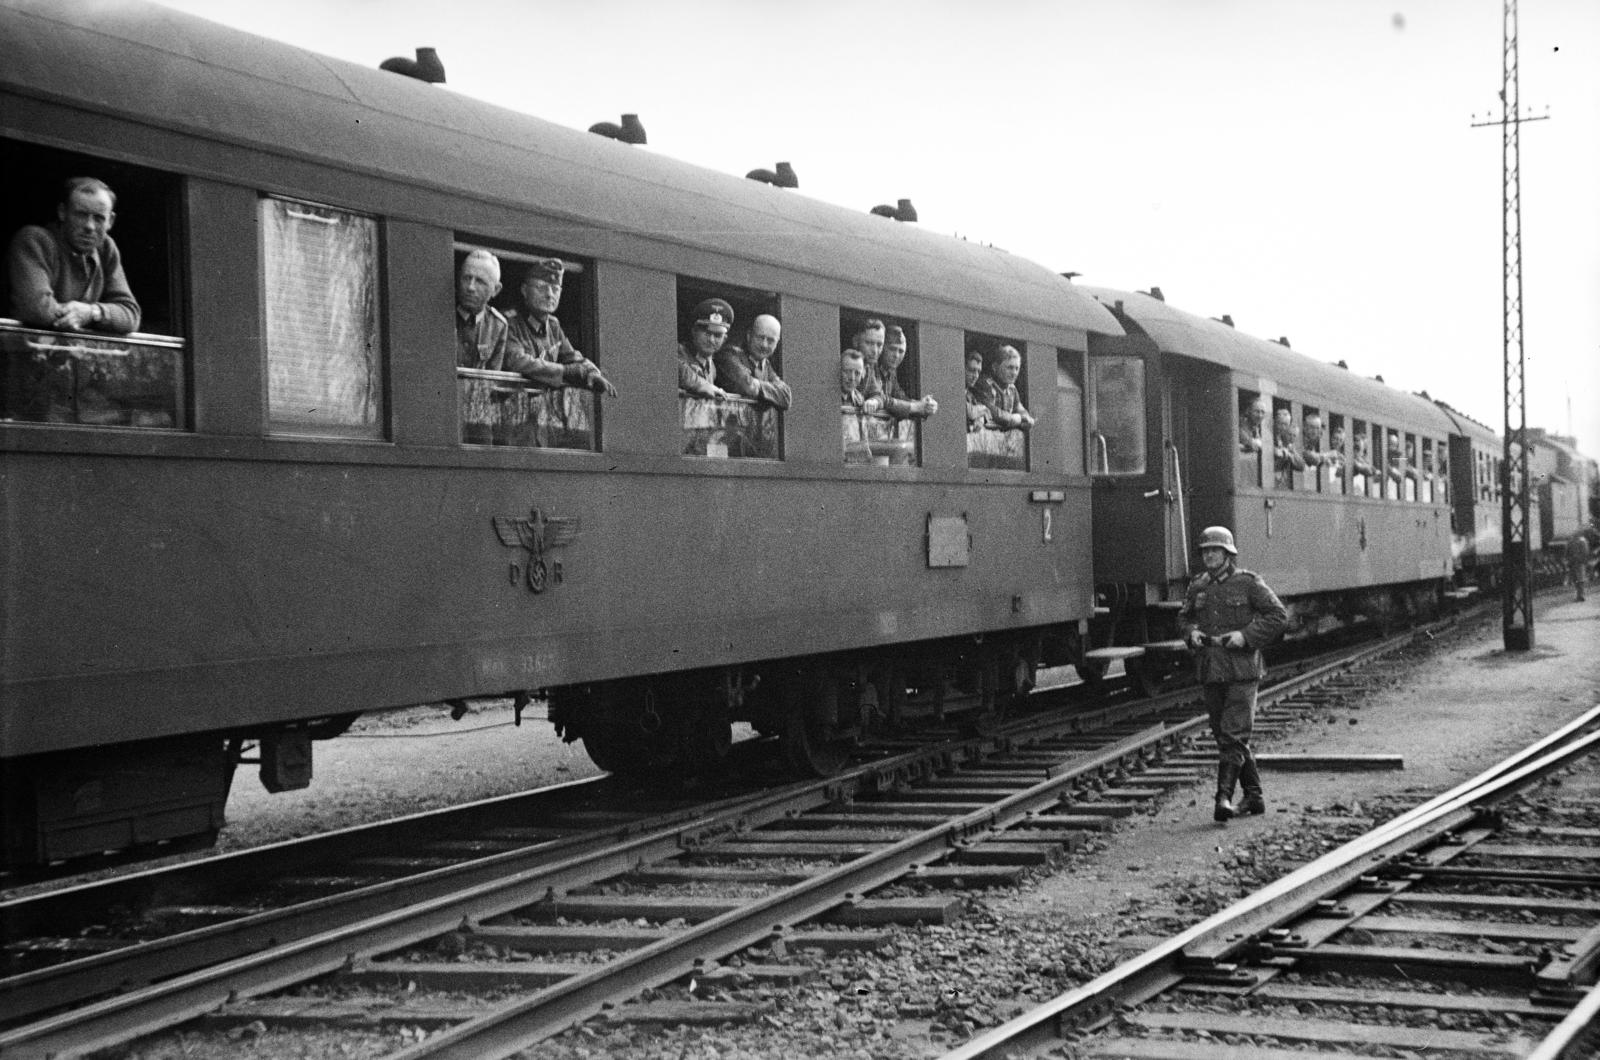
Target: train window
{"x":324,"y":360}
{"x":1426,"y":474}
{"x":1363,"y":477}
{"x":1287,"y":463}
{"x":1254,"y":432}
{"x":1441,"y":472}
{"x":998,"y":420}
{"x":1394,"y":466}
{"x":1069,"y":407}
{"x":1381,"y":484}
{"x":1379,"y":452}
{"x":731,"y":391}
{"x":1336,"y":458}
{"x":1312,"y":443}
{"x":1410,"y":465}
{"x":527,"y":377}
{"x":880,"y":418}
{"x":1116,"y":416}
{"x":117,"y":358}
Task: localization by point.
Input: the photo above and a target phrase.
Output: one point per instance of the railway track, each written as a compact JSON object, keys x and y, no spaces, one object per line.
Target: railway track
{"x":1469,"y":926}
{"x":490,"y":954}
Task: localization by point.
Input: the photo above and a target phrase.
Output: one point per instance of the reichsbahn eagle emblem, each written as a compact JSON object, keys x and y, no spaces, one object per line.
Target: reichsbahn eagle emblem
{"x":537,"y":533}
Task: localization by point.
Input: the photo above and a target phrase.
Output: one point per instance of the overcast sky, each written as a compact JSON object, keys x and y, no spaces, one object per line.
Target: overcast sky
{"x":1307,"y":166}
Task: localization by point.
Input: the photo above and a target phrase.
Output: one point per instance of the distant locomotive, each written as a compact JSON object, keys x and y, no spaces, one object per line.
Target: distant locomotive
{"x":283,"y":504}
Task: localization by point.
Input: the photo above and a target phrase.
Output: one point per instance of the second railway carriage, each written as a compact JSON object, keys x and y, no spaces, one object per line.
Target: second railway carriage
{"x":1168,"y":402}
{"x":282,"y":504}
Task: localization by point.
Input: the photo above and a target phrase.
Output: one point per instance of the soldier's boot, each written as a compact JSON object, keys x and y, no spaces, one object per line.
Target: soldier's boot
{"x":1250,"y":780}
{"x":1227,"y":776}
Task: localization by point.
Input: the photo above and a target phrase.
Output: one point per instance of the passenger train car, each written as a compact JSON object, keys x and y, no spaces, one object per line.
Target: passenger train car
{"x":282,"y":504}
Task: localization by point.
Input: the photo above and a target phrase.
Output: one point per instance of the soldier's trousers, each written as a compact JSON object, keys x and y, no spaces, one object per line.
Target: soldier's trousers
{"x":1231,"y":706}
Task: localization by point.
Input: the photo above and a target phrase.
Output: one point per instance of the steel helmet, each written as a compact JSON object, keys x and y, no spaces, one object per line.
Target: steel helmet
{"x":1217,"y":537}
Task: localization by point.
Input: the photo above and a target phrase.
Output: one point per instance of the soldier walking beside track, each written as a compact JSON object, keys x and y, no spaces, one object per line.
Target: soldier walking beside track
{"x":1229,"y":614}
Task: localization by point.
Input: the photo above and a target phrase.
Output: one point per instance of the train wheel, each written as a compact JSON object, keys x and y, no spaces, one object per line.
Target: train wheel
{"x":627,"y":735}
{"x":1145,"y":678}
{"x":811,"y":741}
{"x":1093,"y":673}
{"x":814,"y":750}
{"x":993,"y":705}
{"x":614,"y":754}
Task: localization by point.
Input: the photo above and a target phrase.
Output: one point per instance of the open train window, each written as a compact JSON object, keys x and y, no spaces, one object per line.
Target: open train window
{"x":1116,"y":416}
{"x":1336,"y":462}
{"x":881,"y":414}
{"x":1428,"y":474}
{"x":1441,"y":471}
{"x":1394,"y":466}
{"x":1410,"y":464}
{"x":1069,"y":408}
{"x":1287,"y":463}
{"x":99,"y":343}
{"x":1255,"y":436}
{"x":527,"y":373}
{"x":1313,"y":442}
{"x":1363,"y":476}
{"x":998,"y":420}
{"x":324,"y":350}
{"x":731,"y":391}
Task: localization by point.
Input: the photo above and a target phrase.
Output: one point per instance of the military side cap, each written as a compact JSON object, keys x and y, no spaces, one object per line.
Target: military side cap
{"x":713,"y":312}
{"x":547,"y":269}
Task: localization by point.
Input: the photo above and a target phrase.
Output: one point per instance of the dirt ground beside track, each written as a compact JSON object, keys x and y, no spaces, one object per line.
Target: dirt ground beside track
{"x":1465,"y":710}
{"x":407,"y":761}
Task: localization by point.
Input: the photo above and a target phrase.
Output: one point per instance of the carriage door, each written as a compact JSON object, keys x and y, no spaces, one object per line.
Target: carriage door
{"x":1173,"y":422}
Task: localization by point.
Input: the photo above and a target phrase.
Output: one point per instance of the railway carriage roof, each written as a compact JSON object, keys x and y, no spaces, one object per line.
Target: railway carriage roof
{"x":1481,"y":433}
{"x":1189,"y":335}
{"x":166,"y":69}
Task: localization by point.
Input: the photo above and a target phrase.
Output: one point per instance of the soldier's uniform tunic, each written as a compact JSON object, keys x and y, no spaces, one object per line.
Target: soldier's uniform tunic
{"x":1217,"y":603}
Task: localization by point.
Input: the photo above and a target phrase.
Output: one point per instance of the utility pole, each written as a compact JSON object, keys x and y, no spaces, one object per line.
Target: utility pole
{"x":1517,"y":598}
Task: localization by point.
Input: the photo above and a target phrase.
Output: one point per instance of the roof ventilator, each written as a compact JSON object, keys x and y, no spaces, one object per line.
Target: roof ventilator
{"x":425,"y":67}
{"x":903,"y":212}
{"x":629,"y":132}
{"x":782,"y":177}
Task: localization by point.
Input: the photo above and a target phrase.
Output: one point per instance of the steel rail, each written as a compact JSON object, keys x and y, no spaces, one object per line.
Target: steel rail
{"x":152,"y":1008}
{"x":58,"y":911}
{"x":98,"y":975}
{"x":525,"y":1022}
{"x":1237,"y":926}
{"x":1568,"y":1039}
{"x":280,"y":964}
{"x":176,"y":959}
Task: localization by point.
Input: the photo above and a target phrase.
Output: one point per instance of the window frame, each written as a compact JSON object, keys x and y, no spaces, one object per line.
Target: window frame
{"x":576,"y":313}
{"x":1140,"y":429}
{"x":379,"y":370}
